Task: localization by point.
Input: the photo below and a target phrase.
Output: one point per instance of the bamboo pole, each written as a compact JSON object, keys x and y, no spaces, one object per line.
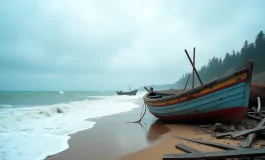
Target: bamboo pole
{"x":194,"y":67}
{"x":186,"y":83}
{"x":147,"y":89}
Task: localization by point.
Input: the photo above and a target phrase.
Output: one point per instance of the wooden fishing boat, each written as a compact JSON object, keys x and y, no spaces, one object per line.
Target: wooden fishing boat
{"x":223,"y":100}
{"x":130,"y":93}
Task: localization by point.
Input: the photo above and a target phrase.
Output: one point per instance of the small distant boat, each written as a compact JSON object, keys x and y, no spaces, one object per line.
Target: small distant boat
{"x":223,"y":100}
{"x":130,"y":93}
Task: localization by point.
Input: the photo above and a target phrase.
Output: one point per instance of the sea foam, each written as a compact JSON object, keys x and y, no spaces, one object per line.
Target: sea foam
{"x":33,"y":133}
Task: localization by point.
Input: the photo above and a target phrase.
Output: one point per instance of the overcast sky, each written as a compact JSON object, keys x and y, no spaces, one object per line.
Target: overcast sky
{"x":108,"y":44}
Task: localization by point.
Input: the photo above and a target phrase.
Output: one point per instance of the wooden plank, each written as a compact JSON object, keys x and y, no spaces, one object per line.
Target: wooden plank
{"x":248,"y":131}
{"x":259,"y":158}
{"x":230,"y":133}
{"x":219,"y":135}
{"x":186,"y":148}
{"x":252,"y":136}
{"x":213,"y":144}
{"x":256,"y":112}
{"x":255,"y":117}
{"x":216,"y":155}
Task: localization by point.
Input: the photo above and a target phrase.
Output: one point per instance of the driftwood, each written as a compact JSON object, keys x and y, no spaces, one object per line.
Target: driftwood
{"x":186,"y":148}
{"x":216,"y":155}
{"x":252,"y":136}
{"x":219,"y":145}
{"x":248,"y":131}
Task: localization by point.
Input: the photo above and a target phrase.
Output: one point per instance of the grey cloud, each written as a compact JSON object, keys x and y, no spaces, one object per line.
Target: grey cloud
{"x":103,"y":45}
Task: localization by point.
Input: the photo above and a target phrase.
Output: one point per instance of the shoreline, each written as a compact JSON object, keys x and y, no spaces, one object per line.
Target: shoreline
{"x":109,"y":131}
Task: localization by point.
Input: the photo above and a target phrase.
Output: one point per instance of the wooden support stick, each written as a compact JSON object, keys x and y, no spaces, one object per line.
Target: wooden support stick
{"x":216,"y":155}
{"x":186,"y":148}
{"x":259,"y":104}
{"x":186,"y":83}
{"x":219,"y":145}
{"x":252,"y":136}
{"x":194,"y":67}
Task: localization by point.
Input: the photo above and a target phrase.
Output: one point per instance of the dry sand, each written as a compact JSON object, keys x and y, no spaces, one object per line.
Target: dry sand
{"x":112,"y":138}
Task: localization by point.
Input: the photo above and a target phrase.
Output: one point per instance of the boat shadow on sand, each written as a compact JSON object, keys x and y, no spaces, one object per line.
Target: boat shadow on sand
{"x":156,"y":131}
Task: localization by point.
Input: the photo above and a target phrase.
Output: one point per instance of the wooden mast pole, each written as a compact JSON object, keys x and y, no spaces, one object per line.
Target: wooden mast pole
{"x":193,"y":68}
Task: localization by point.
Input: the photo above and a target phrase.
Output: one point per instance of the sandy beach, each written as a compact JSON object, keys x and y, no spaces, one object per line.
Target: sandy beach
{"x":113,"y":138}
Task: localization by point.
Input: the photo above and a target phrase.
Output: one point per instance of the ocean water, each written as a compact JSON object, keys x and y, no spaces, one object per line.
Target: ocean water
{"x":35,"y":125}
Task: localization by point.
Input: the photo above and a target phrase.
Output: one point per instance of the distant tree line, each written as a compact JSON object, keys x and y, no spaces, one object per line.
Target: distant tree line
{"x":216,"y":67}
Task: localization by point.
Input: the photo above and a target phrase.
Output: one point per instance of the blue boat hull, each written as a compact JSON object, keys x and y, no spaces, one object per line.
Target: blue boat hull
{"x":223,"y":100}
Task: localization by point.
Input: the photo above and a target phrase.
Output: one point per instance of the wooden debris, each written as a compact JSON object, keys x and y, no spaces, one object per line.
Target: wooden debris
{"x":232,"y":127}
{"x":218,"y":127}
{"x":259,"y":158}
{"x":241,"y":133}
{"x":186,"y":148}
{"x":216,"y":155}
{"x":256,"y":112}
{"x":249,"y":131}
{"x":241,"y":127}
{"x":205,"y":126}
{"x":213,"y":144}
{"x":252,"y":136}
{"x":255,"y":117}
{"x":220,"y":135}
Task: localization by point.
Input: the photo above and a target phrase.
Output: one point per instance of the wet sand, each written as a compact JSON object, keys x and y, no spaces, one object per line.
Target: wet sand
{"x":112,"y":138}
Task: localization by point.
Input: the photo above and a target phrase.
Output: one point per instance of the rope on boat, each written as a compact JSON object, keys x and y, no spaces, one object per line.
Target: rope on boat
{"x":141,"y":115}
